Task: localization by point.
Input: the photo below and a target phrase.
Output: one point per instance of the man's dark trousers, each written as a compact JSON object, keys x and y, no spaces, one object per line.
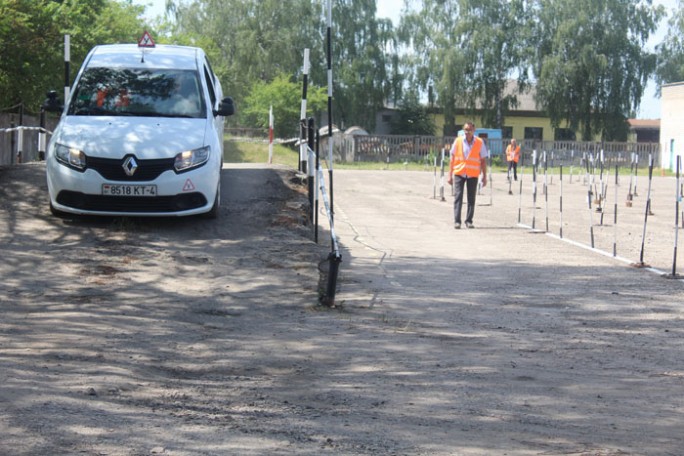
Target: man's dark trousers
{"x":471,"y":189}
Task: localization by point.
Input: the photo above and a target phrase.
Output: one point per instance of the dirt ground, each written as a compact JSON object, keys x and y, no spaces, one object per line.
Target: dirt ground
{"x":204,"y":337}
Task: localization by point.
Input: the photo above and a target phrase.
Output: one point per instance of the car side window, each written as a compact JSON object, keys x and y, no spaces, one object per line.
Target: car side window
{"x":210,"y":86}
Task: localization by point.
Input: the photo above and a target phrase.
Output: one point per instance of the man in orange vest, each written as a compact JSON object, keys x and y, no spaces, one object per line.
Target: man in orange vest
{"x":468,"y":160}
{"x":513,"y":156}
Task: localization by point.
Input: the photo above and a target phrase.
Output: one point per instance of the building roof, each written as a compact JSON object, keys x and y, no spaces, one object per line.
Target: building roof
{"x":644,"y":124}
{"x":525,"y":99}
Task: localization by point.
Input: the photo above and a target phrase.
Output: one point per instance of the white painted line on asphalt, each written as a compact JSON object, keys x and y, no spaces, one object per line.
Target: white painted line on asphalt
{"x":595,"y":250}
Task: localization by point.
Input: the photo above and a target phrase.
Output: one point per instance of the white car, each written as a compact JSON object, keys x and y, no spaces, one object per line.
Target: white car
{"x":141,"y":135}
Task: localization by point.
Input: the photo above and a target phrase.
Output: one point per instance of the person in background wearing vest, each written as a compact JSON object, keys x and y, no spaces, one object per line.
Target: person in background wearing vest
{"x":513,"y":156}
{"x":468,"y":160}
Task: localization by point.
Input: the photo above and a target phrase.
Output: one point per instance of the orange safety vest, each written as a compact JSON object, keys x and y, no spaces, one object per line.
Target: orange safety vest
{"x":469,"y":166}
{"x":513,"y":154}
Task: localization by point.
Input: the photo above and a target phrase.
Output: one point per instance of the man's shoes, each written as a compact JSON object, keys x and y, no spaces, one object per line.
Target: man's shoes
{"x":457,"y":226}
{"x":469,"y":225}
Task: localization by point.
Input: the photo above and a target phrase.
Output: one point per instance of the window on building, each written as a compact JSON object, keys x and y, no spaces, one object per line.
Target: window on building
{"x":387,"y":118}
{"x":534,"y":133}
{"x":507,"y":132}
{"x":564,"y":134}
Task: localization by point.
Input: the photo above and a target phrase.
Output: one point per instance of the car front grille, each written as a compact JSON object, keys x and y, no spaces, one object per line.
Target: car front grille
{"x":106,"y":203}
{"x":113,"y":169}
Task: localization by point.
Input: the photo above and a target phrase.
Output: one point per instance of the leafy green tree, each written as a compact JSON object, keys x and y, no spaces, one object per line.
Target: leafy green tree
{"x":671,"y":50}
{"x":493,"y":36}
{"x":592,"y":67}
{"x":284,"y":95}
{"x":257,"y":40}
{"x":433,"y":56}
{"x":32,"y":42}
{"x":467,"y":50}
{"x":412,"y":118}
{"x":250,"y":40}
{"x":365,"y":71}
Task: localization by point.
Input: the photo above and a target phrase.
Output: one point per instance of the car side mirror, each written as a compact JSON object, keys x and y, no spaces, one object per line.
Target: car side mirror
{"x":52,"y":103}
{"x":226,"y":107}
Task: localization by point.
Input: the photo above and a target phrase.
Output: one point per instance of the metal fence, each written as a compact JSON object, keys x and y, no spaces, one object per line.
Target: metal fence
{"x":399,"y":149}
{"x":20,"y":137}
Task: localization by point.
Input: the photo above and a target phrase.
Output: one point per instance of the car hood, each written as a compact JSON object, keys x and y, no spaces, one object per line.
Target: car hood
{"x":145,"y":137}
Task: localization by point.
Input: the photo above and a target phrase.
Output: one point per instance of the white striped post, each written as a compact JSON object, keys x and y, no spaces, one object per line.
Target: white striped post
{"x":676,"y":227}
{"x":270,"y":135}
{"x":615,"y":209}
{"x":302,"y":115}
{"x":648,"y":208}
{"x":330,"y":99}
{"x":67,"y":59}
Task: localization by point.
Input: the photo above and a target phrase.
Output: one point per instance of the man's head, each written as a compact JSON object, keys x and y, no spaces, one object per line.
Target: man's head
{"x":513,"y":142}
{"x":469,"y":129}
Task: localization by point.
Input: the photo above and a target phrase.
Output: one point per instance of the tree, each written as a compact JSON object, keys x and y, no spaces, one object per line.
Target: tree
{"x":592,"y":67}
{"x":671,"y":50}
{"x":250,"y":40}
{"x":494,"y":38}
{"x":433,"y":57}
{"x":363,"y":66}
{"x":467,"y":50}
{"x":32,"y":42}
{"x":412,"y":119}
{"x":285,"y":97}
{"x":257,"y":40}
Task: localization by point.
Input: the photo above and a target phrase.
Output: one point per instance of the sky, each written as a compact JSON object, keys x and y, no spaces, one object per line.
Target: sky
{"x":650,"y":103}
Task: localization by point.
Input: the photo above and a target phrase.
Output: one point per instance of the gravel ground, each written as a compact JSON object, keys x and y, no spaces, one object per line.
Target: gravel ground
{"x":203,"y":337}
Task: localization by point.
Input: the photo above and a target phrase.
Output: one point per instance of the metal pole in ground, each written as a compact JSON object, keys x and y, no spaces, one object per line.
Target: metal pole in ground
{"x":302,"y":114}
{"x":631,"y":181}
{"x":20,"y":144}
{"x":601,"y":190}
{"x":615,"y":214}
{"x":489,"y":179}
{"x":13,"y":142}
{"x":534,"y":188}
{"x":589,"y":196}
{"x":317,"y":176}
{"x":441,"y":178}
{"x":42,"y":136}
{"x":522,"y":169}
{"x":561,"y":199}
{"x":647,"y":211}
{"x":572,"y":165}
{"x":330,"y":110}
{"x":677,"y":200}
{"x":310,"y":135}
{"x":434,"y":178}
{"x":67,"y":59}
{"x":546,"y":191}
{"x":636,"y":172}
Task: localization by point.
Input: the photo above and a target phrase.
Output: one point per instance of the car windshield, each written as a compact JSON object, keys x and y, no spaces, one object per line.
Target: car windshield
{"x":138,"y":92}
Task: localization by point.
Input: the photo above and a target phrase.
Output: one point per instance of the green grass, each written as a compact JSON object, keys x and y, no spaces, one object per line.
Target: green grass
{"x":246,"y":152}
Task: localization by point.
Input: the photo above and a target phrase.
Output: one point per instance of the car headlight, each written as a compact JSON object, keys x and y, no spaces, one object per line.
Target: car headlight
{"x":70,"y":156}
{"x":191,"y":158}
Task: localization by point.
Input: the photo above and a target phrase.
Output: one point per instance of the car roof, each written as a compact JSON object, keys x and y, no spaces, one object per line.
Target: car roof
{"x":133,"y":56}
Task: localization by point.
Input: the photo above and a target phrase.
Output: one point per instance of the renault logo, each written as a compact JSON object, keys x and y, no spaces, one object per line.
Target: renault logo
{"x":130,"y":165}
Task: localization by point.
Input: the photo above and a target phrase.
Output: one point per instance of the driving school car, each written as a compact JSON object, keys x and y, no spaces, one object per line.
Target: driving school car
{"x":141,"y":135}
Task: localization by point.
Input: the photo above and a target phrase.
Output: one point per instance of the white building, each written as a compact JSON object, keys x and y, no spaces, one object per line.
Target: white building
{"x":671,"y":124}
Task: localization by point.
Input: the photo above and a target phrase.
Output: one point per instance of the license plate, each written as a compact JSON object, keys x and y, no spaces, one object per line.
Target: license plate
{"x":129,"y":190}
